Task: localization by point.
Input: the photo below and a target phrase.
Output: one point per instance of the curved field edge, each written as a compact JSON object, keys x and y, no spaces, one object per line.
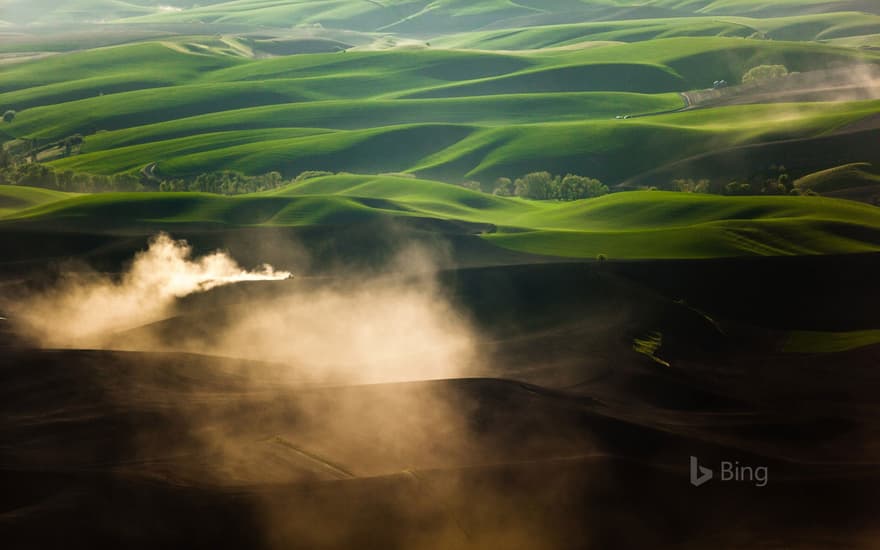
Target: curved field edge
{"x":15,"y":199}
{"x":628,"y":225}
{"x":599,"y":147}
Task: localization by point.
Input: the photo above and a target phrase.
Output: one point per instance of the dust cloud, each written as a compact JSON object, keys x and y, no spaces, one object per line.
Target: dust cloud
{"x":83,"y":308}
{"x":846,"y":83}
{"x":378,"y":331}
{"x":840,"y":84}
{"x":339,"y":378}
{"x":396,"y":325}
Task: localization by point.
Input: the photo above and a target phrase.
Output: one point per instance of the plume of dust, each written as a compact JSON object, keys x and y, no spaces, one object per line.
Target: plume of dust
{"x":83,"y":309}
{"x":835,"y":84}
{"x":366,"y":327}
{"x":240,"y":430}
{"x":853,"y":83}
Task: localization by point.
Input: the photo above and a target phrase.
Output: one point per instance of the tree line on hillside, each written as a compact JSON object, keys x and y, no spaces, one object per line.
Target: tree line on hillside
{"x":40,"y":175}
{"x":544,"y":186}
{"x":774,"y":181}
{"x":225,"y":182}
{"x":535,"y":185}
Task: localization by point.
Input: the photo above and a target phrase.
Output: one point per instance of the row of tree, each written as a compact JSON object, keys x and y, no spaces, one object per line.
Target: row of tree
{"x":40,"y":175}
{"x":34,"y":174}
{"x":225,"y":182}
{"x":535,"y":185}
{"x":546,"y":186}
{"x":775,"y":181}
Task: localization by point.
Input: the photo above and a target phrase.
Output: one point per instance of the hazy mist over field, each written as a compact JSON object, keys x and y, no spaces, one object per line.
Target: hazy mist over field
{"x":439,"y":274}
{"x":345,"y":331}
{"x":82,"y":309}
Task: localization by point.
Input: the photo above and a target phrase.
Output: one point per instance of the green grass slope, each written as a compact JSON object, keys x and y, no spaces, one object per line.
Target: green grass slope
{"x":673,"y":225}
{"x":392,"y":103}
{"x":840,"y":178}
{"x":508,"y":143}
{"x":150,"y":60}
{"x":445,"y":16}
{"x":404,"y":16}
{"x":829,"y":342}
{"x":175,"y":79}
{"x":604,"y":148}
{"x":15,"y":199}
{"x":623,"y":225}
{"x":364,"y":114}
{"x":440,"y":113}
{"x":823,"y":26}
{"x":82,"y":37}
{"x":576,"y":34}
{"x":759,"y":8}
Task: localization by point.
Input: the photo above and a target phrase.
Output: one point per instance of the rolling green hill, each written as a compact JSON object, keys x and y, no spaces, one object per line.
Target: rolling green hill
{"x":840,"y":178}
{"x":423,"y":16}
{"x":824,"y":26}
{"x":600,"y":147}
{"x":15,"y":199}
{"x":453,"y":91}
{"x":441,"y":113}
{"x":405,"y":16}
{"x":623,"y":225}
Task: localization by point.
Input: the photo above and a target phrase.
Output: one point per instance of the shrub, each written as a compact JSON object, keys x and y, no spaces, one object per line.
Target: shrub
{"x":504,"y":187}
{"x":40,"y":175}
{"x":575,"y":187}
{"x":472,"y":185}
{"x":691,"y":186}
{"x":537,"y":185}
{"x":764,"y":73}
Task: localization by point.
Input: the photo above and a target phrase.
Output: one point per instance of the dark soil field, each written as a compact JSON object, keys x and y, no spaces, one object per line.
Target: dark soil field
{"x":567,"y":434}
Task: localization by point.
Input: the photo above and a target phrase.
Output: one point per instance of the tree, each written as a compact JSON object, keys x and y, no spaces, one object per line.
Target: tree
{"x":63,"y":180}
{"x":703,"y":186}
{"x":553,"y":191}
{"x":9,"y":116}
{"x":76,"y":140}
{"x":472,"y":185}
{"x":596,"y":188}
{"x":691,"y":186}
{"x":573,"y":187}
{"x":504,"y":187}
{"x":37,"y":175}
{"x":83,"y":183}
{"x":569,"y":188}
{"x":127,"y":182}
{"x":764,"y":73}
{"x":537,"y":185}
{"x":737,"y":188}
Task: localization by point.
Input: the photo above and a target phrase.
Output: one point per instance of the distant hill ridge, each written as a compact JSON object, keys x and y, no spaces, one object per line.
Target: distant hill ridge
{"x":408,"y":16}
